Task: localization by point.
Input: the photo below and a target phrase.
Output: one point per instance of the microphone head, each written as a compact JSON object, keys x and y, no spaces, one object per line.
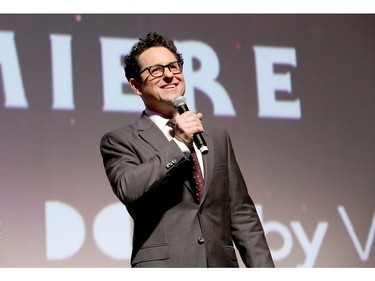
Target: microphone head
{"x":178,"y":101}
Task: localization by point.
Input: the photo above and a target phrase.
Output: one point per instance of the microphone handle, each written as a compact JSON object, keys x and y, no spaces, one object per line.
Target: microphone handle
{"x":182,"y":108}
{"x":197,"y":138}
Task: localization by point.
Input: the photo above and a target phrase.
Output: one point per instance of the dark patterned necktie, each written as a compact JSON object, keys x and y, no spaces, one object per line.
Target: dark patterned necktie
{"x":172,"y":123}
{"x":197,"y":175}
{"x":198,"y":179}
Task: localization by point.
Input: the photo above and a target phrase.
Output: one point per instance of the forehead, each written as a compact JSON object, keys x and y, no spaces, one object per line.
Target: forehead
{"x":156,"y":55}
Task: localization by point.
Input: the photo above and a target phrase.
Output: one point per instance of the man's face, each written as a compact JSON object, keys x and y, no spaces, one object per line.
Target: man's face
{"x":158,"y":92}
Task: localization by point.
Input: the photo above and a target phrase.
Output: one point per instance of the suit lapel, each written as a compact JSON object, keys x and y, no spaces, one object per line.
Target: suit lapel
{"x":150,"y":133}
{"x":208,"y":164}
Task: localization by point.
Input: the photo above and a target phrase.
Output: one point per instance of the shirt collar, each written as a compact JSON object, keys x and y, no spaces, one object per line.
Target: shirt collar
{"x":157,"y":118}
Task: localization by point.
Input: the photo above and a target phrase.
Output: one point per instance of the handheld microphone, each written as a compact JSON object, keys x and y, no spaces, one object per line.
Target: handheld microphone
{"x":180,"y":104}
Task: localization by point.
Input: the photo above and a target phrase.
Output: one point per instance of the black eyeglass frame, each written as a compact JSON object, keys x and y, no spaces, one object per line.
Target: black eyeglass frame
{"x":180,"y":64}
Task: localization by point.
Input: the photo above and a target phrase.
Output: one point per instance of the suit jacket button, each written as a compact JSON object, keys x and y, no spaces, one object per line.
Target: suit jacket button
{"x":200,"y":240}
{"x":170,"y":164}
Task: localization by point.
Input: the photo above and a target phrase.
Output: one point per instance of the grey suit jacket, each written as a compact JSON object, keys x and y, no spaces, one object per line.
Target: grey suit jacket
{"x":150,"y":176}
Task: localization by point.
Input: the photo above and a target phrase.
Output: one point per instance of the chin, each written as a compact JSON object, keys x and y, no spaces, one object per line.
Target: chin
{"x":172,"y":96}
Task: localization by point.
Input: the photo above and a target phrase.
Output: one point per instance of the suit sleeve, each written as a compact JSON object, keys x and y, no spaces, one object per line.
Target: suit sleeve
{"x":246,"y":228}
{"x":133,"y":168}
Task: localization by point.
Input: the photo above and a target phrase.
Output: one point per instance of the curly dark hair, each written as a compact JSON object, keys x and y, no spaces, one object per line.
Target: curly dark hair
{"x":152,"y":39}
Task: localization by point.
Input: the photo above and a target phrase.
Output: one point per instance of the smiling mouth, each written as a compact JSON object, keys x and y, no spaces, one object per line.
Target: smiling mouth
{"x":170,"y":86}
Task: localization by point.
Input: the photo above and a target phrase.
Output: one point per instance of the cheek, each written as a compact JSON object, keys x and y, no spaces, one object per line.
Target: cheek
{"x":182,"y":82}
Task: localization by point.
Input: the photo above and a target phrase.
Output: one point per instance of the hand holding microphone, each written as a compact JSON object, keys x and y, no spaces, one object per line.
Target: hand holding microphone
{"x":180,"y":104}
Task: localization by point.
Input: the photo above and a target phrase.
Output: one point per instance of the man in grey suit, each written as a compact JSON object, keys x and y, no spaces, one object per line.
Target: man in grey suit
{"x":149,"y":166}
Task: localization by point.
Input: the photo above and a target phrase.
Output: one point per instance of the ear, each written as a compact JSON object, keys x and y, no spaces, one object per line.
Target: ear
{"x":136,"y":86}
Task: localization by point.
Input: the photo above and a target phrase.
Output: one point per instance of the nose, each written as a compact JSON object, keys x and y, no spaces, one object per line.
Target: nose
{"x":167,"y":72}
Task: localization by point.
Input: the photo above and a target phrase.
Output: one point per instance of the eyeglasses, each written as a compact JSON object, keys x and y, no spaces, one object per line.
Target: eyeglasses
{"x":157,"y":70}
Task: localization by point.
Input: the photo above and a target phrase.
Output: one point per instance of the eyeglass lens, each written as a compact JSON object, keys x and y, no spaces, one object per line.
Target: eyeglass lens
{"x":158,"y":70}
